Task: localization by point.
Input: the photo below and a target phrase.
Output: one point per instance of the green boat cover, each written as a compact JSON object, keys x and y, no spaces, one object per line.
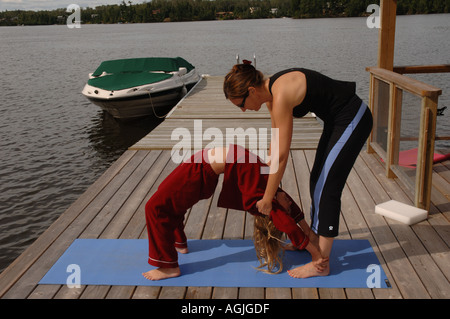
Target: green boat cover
{"x":128,"y":73}
{"x":121,"y":81}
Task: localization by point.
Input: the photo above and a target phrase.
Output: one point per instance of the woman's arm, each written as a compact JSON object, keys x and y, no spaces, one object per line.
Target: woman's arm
{"x":288,"y":91}
{"x":281,"y":114}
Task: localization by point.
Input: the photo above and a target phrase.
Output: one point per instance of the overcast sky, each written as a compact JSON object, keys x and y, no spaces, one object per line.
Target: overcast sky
{"x":55,"y":4}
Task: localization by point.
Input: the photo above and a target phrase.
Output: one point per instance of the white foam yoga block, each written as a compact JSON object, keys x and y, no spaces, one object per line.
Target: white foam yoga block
{"x":401,"y":212}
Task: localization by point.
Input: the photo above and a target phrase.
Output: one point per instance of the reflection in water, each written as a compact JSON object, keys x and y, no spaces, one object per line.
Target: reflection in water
{"x":110,"y":137}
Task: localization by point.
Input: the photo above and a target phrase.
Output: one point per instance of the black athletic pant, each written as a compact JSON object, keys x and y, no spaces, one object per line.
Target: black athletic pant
{"x":342,"y":139}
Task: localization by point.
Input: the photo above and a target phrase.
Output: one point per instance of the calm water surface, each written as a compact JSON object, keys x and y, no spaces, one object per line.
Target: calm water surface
{"x":55,"y":144}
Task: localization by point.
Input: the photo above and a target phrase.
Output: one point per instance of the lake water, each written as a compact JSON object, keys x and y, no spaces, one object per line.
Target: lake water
{"x":54,"y":143}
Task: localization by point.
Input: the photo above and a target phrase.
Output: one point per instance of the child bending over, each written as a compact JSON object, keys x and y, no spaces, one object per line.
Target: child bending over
{"x":243,"y":185}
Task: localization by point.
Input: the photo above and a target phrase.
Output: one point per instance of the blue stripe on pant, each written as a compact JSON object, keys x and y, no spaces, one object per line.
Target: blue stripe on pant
{"x":340,"y":159}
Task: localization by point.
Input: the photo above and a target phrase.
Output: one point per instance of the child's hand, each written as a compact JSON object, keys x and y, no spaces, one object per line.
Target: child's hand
{"x":321,"y":264}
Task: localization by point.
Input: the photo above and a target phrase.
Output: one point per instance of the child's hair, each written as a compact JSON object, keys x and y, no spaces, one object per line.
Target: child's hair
{"x":239,"y":79}
{"x":268,"y":245}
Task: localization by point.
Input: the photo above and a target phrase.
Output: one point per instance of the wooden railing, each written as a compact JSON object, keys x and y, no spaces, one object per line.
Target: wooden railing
{"x":388,"y":87}
{"x":410,"y":69}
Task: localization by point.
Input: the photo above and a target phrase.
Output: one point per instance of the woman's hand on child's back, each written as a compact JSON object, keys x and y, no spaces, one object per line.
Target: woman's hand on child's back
{"x":264,"y":207}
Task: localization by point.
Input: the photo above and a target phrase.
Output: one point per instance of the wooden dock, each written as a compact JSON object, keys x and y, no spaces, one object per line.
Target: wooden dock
{"x":208,"y":106}
{"x":415,"y":258}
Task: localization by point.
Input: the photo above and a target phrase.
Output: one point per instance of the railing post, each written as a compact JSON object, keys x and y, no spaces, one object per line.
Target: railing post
{"x":394,"y":124}
{"x":425,"y":153}
{"x":386,"y":37}
{"x":371,"y":107}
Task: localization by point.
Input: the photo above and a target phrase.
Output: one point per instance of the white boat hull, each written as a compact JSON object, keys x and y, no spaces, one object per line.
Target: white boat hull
{"x":156,"y":99}
{"x":140,"y":105}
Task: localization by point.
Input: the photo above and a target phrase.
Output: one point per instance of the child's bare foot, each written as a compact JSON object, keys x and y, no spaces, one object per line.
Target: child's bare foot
{"x":162,"y":273}
{"x":182,"y":250}
{"x":308,"y":270}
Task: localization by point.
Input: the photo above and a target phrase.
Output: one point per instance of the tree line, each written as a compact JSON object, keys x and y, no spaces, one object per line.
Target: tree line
{"x":197,"y":10}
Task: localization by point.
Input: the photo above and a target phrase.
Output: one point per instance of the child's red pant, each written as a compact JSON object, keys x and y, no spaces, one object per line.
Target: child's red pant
{"x":165,"y":210}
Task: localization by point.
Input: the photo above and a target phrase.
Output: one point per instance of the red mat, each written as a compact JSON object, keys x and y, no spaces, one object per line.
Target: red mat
{"x":409,"y":158}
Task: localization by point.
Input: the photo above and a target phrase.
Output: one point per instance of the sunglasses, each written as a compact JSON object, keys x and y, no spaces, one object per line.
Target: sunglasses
{"x":242,"y":105}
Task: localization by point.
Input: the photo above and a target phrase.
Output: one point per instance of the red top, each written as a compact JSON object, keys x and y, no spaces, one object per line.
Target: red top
{"x":244,"y":185}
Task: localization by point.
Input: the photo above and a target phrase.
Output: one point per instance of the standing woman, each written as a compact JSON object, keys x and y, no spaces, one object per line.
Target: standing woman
{"x":347,"y":124}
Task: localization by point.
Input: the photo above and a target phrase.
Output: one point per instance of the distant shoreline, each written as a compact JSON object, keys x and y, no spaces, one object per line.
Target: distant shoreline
{"x":190,"y":10}
{"x":169,"y":21}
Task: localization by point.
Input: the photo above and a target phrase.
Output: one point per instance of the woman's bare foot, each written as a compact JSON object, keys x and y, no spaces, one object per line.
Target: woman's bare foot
{"x":308,"y":270}
{"x":182,"y":250}
{"x":162,"y":273}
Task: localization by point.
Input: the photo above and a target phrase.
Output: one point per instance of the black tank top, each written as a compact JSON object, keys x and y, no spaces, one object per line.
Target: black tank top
{"x":324,"y":96}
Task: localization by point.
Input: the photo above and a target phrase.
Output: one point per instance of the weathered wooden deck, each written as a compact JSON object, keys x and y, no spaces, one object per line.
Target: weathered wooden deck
{"x":208,"y":106}
{"x":415,"y":258}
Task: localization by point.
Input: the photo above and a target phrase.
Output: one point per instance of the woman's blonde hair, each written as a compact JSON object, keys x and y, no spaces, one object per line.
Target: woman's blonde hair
{"x":267,"y":240}
{"x":239,"y":79}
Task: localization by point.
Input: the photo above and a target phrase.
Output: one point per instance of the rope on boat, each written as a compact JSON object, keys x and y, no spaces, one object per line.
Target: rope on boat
{"x":153,"y":108}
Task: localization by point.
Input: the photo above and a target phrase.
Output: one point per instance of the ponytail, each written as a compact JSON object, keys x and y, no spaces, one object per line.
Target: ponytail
{"x":239,"y":79}
{"x":266,"y":239}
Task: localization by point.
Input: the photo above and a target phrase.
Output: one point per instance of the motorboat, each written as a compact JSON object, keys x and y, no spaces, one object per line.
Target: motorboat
{"x":137,"y":87}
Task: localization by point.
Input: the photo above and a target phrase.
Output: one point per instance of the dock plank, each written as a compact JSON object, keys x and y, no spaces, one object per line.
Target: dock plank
{"x":197,"y":134}
{"x":431,"y":277}
{"x":208,"y":100}
{"x":206,"y":107}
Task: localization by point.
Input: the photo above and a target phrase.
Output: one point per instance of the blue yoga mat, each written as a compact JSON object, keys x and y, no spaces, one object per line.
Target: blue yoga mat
{"x":217,"y":263}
